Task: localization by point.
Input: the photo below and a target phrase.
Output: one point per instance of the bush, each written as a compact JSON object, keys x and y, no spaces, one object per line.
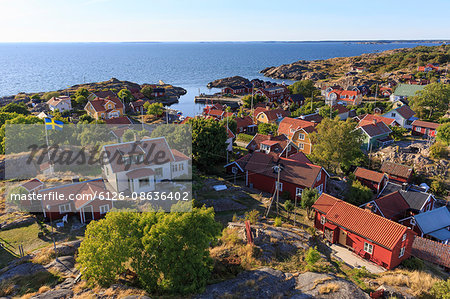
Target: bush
{"x":244,"y":137}
{"x":438,"y":150}
{"x":441,"y":289}
{"x":438,"y":187}
{"x":312,"y":256}
{"x":277,"y":222}
{"x":252,"y":216}
{"x":413,"y":263}
{"x":358,"y":194}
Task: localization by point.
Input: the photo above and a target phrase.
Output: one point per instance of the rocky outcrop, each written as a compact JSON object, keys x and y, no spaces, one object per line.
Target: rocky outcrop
{"x":230,"y":81}
{"x":271,"y":283}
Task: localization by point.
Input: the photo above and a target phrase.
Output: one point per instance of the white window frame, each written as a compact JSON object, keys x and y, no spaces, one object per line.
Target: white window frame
{"x":301,"y":146}
{"x":64,"y":208}
{"x":298,"y":191}
{"x":104,"y":209}
{"x":319,"y":176}
{"x":323,"y":220}
{"x":301,"y":136}
{"x":368,"y":247}
{"x":280,"y":186}
{"x":320,"y":188}
{"x":404,"y":238}
{"x":402,"y":251}
{"x":393,"y":115}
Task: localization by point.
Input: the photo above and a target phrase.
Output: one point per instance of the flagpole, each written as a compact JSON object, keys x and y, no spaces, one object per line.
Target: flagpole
{"x":48,"y":153}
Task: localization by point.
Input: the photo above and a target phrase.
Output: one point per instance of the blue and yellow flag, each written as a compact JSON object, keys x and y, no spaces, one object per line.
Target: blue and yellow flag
{"x":51,"y":124}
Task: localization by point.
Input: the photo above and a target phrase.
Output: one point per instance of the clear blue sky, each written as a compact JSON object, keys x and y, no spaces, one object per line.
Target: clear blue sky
{"x":224,"y":20}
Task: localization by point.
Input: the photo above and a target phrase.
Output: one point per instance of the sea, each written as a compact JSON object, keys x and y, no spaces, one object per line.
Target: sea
{"x":36,"y":67}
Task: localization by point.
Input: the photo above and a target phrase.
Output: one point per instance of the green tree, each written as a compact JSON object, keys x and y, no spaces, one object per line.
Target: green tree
{"x":81,"y":100}
{"x":36,"y":96}
{"x":324,"y":111}
{"x":82,"y":92}
{"x":128,"y":135}
{"x":398,"y":132}
{"x":155,"y":109}
{"x":443,"y":133}
{"x":441,"y":289}
{"x":247,"y":100}
{"x":432,"y":102}
{"x":231,"y":123}
{"x":312,"y":256}
{"x":308,"y":108}
{"x":48,"y":95}
{"x":85,"y":118}
{"x":438,"y":150}
{"x":125,"y":95}
{"x":178,"y":137}
{"x":289,"y":207}
{"x":20,"y":108}
{"x":208,"y":142}
{"x":265,"y":129}
{"x":336,"y":143}
{"x":309,"y":197}
{"x":358,"y":194}
{"x":438,"y":186}
{"x":304,"y":87}
{"x":147,"y":91}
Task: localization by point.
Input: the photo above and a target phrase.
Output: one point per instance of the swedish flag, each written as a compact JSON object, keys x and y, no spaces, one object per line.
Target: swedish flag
{"x":51,"y":124}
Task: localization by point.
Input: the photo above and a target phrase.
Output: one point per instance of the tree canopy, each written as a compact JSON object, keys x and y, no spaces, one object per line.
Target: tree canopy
{"x":168,"y":251}
{"x":155,"y":109}
{"x":443,"y":133}
{"x":81,"y":100}
{"x":358,"y":194}
{"x":308,"y":108}
{"x":48,"y":95}
{"x":147,"y":91}
{"x":309,"y":197}
{"x":432,"y":102}
{"x":324,"y":111}
{"x":247,"y":100}
{"x":81,"y":91}
{"x":125,"y":95}
{"x":19,"y":108}
{"x":304,"y":87}
{"x":336,"y":143}
{"x":265,"y":129}
{"x":178,"y":137}
{"x":208,"y":141}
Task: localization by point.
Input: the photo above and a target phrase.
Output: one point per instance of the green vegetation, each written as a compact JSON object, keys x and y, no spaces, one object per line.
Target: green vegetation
{"x":336,"y":144}
{"x":177,"y":136}
{"x":398,"y":133}
{"x":441,"y":290}
{"x":81,"y":101}
{"x":413,"y":263}
{"x":267,"y":129}
{"x":125,"y":95}
{"x":309,"y":197}
{"x":244,"y":137}
{"x":247,"y":100}
{"x":168,"y":251}
{"x":147,"y":91}
{"x":252,"y":216}
{"x":438,"y":150}
{"x":82,"y":92}
{"x":155,"y":109}
{"x":277,"y":222}
{"x":443,"y":133}
{"x":432,"y":102}
{"x":325,"y":111}
{"x":308,"y":108}
{"x":20,"y":108}
{"x":358,"y":194}
{"x":48,"y":95}
{"x":304,"y":87}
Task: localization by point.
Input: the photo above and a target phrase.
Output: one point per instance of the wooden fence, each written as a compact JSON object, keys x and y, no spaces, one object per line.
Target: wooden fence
{"x":431,"y":251}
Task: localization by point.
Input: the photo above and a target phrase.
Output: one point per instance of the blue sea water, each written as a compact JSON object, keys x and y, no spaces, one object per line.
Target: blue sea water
{"x":33,"y":67}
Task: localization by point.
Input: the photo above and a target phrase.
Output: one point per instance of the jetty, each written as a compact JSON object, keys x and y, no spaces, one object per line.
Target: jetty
{"x":217,"y":98}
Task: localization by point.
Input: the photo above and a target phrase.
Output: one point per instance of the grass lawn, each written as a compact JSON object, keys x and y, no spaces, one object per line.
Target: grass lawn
{"x":26,"y":236}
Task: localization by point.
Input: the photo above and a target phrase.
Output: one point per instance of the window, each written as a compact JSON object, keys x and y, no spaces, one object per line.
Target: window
{"x":144,"y":182}
{"x":322,"y":220}
{"x":402,"y":252}
{"x":104,"y":209}
{"x":368,"y":247}
{"x":404,"y":237}
{"x":301,"y":136}
{"x":280,"y":186}
{"x":158,"y":172}
{"x":65,"y":208}
{"x":393,"y":114}
{"x":319,"y":176}
{"x":298,"y":191}
{"x":301,"y":146}
{"x":320,"y":188}
{"x":234,"y":170}
{"x":413,"y":221}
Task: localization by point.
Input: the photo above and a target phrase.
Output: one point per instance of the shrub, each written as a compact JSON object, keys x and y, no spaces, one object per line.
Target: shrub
{"x":277,"y":222}
{"x":312,"y":256}
{"x":413,"y":263}
{"x":438,"y":150}
{"x":230,"y":236}
{"x":329,"y":288}
{"x":441,"y":289}
{"x":438,"y":187}
{"x":252,"y":216}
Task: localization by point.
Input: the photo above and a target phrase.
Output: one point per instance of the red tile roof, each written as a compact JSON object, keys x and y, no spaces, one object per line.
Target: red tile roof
{"x":301,"y":157}
{"x":368,"y":174}
{"x":244,"y":122}
{"x":32,"y":184}
{"x":324,"y":203}
{"x":99,"y":103}
{"x":122,"y":120}
{"x":255,"y":143}
{"x":369,"y":118}
{"x":425,"y":124}
{"x":405,"y":112}
{"x":392,"y":205}
{"x":366,"y":224}
{"x":399,"y":170}
{"x":179,"y":156}
{"x":288,"y":124}
{"x":139,"y":173}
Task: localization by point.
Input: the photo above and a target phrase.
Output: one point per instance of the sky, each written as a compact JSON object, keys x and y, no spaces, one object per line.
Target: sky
{"x":224,"y":20}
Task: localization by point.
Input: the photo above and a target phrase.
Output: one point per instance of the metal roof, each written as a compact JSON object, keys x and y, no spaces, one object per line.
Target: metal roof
{"x":433,"y":221}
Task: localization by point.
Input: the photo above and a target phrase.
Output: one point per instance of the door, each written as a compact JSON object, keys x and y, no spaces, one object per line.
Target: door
{"x":342,"y":237}
{"x":88,"y":214}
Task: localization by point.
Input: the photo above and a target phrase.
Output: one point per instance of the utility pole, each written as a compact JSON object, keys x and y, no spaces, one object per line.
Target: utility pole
{"x":231,"y":140}
{"x":277,"y":168}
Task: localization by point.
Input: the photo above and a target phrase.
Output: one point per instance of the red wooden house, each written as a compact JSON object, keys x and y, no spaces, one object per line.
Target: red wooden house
{"x":279,"y":145}
{"x":236,"y":89}
{"x":369,"y":235}
{"x":274,"y":94}
{"x":397,"y":172}
{"x":373,"y":179}
{"x":424,"y":128}
{"x":295,"y":175}
{"x":245,"y":125}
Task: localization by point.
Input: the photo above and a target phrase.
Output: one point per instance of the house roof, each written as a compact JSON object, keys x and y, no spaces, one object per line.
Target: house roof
{"x":399,"y":170}
{"x":324,"y":203}
{"x":179,"y":156}
{"x":54,"y":101}
{"x":274,"y":114}
{"x":152,"y":149}
{"x":121,"y":120}
{"x":258,"y":139}
{"x":415,"y":198}
{"x":241,"y":162}
{"x":104,"y":94}
{"x":405,"y":112}
{"x":297,"y":98}
{"x":300,"y":156}
{"x":288,"y":124}
{"x":99,"y":103}
{"x":368,"y":174}
{"x":293,"y":171}
{"x":139,"y":173}
{"x":243,"y":122}
{"x":368,"y":225}
{"x":374,"y":129}
{"x":91,"y":187}
{"x":313,"y":117}
{"x":407,"y":90}
{"x":369,"y":118}
{"x":32,"y":184}
{"x":340,"y":108}
{"x":435,"y":221}
{"x":425,"y":124}
{"x":392,"y":205}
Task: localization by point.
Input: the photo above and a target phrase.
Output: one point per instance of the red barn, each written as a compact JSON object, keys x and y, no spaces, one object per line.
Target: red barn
{"x":424,"y":128}
{"x":397,"y":172}
{"x":295,"y":175}
{"x":369,"y":235}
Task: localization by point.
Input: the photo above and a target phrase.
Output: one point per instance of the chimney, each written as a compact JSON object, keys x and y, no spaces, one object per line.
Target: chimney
{"x":75,"y":179}
{"x":404,"y":186}
{"x":270,"y":136}
{"x":374,"y":121}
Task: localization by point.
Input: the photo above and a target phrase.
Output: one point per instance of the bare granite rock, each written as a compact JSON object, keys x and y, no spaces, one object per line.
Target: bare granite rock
{"x":230,"y":81}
